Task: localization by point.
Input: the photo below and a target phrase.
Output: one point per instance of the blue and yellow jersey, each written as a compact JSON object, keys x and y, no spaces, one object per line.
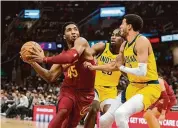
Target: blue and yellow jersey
{"x":131,"y":61}
{"x":107,"y":78}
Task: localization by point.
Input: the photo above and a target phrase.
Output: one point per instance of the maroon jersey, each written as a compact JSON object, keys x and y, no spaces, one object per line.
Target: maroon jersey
{"x":79,"y":77}
{"x":170,"y":93}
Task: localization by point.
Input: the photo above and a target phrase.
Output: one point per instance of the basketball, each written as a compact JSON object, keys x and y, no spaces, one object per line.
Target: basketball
{"x":25,"y":49}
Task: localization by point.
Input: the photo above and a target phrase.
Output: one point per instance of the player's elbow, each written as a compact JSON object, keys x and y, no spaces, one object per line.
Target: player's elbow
{"x":72,"y":56}
{"x":142,"y":69}
{"x":144,"y":72}
{"x":141,"y":73}
{"x":50,"y":78}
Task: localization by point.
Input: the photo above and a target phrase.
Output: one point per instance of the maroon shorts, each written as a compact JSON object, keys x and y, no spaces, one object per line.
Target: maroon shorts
{"x":81,"y":103}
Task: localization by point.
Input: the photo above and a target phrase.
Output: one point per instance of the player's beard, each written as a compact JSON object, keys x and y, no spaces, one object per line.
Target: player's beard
{"x":124,"y":33}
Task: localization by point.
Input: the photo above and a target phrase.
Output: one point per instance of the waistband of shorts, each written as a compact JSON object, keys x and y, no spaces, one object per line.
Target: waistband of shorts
{"x":109,"y":86}
{"x":106,"y":86}
{"x":149,"y":82}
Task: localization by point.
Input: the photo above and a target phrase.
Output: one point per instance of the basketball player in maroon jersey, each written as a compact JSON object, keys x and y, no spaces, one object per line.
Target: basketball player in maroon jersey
{"x":162,"y":106}
{"x":77,"y":90}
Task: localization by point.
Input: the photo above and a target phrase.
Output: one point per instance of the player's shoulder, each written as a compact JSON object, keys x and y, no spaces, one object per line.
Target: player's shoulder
{"x":142,"y":41}
{"x":81,"y":39}
{"x":143,"y":38}
{"x":99,"y":45}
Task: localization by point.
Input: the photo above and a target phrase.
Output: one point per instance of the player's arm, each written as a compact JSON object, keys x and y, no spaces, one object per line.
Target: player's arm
{"x":142,"y":50}
{"x":164,"y":96}
{"x":65,"y":57}
{"x":71,"y":55}
{"x":106,"y":67}
{"x":98,"y":48}
{"x":172,"y":96}
{"x":112,"y":66}
{"x":120,"y":57}
{"x":165,"y":99}
{"x":48,"y":75}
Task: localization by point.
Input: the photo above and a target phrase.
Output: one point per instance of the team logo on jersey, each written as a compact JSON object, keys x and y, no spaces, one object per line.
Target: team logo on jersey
{"x":105,"y":59}
{"x":129,"y":59}
{"x":84,"y":110}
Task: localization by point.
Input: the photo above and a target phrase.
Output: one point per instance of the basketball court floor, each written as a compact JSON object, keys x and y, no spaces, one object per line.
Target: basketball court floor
{"x":17,"y":123}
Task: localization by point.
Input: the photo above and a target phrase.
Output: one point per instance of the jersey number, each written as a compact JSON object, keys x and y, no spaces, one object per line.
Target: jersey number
{"x":108,"y":73}
{"x":72,"y":72}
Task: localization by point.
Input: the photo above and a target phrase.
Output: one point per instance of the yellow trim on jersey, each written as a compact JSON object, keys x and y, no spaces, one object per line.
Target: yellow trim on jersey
{"x":131,"y":61}
{"x":107,"y":78}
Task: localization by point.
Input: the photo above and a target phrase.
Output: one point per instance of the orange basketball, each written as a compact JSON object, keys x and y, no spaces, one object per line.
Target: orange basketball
{"x":27,"y":47}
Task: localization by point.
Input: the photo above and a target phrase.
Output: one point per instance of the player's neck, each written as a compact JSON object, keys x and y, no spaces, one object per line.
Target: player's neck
{"x":114,"y":49}
{"x":69,"y":45}
{"x":131,"y":36}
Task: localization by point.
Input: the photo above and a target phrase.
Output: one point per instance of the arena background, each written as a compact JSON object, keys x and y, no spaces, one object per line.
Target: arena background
{"x":41,"y":21}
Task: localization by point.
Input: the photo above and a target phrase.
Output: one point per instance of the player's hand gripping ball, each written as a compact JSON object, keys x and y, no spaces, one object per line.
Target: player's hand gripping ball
{"x":28,"y":48}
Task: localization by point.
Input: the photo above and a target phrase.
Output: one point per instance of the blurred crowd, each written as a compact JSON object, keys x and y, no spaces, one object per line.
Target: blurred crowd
{"x":18,"y":100}
{"x":156,"y":15}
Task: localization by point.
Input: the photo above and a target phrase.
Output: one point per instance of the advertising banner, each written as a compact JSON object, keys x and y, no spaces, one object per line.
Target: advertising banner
{"x":44,"y":113}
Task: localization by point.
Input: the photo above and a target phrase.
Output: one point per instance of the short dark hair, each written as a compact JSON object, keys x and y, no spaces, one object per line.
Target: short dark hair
{"x":67,"y":23}
{"x":135,"y":20}
{"x":65,"y":47}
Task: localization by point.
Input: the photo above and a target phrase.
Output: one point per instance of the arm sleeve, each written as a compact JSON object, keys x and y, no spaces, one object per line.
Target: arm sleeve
{"x":141,"y":70}
{"x":66,"y":57}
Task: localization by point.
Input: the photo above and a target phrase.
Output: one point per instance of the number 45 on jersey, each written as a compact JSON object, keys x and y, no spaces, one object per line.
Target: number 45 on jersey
{"x":72,"y":72}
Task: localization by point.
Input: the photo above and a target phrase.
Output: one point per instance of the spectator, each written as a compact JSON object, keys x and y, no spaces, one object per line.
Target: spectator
{"x":11,"y":111}
{"x":23,"y":105}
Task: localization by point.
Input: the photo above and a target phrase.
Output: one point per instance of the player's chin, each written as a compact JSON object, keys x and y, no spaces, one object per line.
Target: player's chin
{"x":73,"y":38}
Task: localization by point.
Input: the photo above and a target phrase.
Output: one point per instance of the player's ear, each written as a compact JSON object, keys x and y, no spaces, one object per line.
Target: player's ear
{"x":64,"y":37}
{"x":129,"y":26}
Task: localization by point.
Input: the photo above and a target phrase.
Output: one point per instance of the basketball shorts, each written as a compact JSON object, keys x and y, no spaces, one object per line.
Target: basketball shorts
{"x":81,"y":103}
{"x":151,"y":92}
